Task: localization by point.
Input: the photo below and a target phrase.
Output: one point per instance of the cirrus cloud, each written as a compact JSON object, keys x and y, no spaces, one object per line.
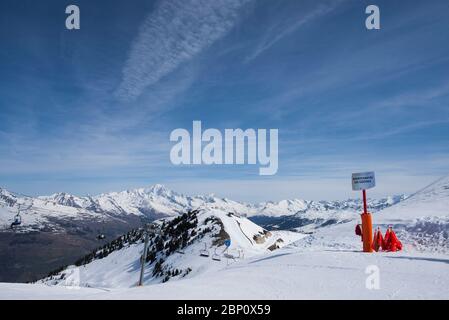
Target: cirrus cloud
{"x":174,"y":33}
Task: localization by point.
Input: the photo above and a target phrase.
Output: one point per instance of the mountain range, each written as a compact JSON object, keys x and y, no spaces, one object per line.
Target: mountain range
{"x":60,"y":228}
{"x":44,"y":212}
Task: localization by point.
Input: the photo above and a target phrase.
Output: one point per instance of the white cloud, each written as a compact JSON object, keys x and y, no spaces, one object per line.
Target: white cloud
{"x":277,"y":33}
{"x":413,"y":98}
{"x":174,"y":33}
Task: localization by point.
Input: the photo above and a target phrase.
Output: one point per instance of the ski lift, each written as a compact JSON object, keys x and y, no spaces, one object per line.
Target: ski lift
{"x":204,"y":252}
{"x":101,"y":236}
{"x":17,"y":221}
{"x":216,"y":256}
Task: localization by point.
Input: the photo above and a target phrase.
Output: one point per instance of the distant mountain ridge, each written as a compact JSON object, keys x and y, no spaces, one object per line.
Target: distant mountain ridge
{"x":157,"y":201}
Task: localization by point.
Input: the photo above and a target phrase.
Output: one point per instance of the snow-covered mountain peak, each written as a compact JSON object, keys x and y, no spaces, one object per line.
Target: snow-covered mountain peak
{"x":209,"y":198}
{"x":155,"y":190}
{"x":7,"y":197}
{"x":64,"y":199}
{"x":280,"y":208}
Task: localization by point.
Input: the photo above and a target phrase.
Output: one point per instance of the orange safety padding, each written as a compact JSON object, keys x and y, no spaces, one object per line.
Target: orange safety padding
{"x":367,"y":232}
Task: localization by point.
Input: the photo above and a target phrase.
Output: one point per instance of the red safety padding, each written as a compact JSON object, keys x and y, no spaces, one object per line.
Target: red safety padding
{"x":378,"y":240}
{"x":385,"y":243}
{"x":375,"y":248}
{"x":391,"y":241}
{"x":358,"y":230}
{"x":396,"y":245}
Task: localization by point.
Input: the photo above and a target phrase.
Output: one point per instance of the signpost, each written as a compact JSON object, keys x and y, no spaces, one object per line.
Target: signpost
{"x":363,"y":181}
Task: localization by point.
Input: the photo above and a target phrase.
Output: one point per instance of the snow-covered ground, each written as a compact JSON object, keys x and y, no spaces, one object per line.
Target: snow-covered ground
{"x":286,"y":274}
{"x":327,"y":264}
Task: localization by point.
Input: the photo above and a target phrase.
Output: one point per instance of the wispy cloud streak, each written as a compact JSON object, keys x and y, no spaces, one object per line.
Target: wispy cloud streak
{"x":174,"y":33}
{"x":278,"y":33}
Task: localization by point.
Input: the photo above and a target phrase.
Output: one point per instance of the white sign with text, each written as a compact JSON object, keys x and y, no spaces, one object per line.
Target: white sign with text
{"x":363,"y":181}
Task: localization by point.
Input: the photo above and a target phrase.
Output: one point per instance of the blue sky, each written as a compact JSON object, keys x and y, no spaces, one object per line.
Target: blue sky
{"x":91,"y":110}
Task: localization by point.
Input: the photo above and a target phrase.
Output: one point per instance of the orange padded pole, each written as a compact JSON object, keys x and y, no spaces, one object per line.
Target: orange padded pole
{"x":367,"y":232}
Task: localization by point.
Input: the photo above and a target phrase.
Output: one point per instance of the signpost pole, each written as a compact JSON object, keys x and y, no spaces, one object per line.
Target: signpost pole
{"x":365,"y":207}
{"x":363,"y":181}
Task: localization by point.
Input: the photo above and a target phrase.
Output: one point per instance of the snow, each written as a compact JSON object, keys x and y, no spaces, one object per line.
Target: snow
{"x":422,"y":219}
{"x":286,"y":274}
{"x":327,"y":264}
{"x":433,"y":200}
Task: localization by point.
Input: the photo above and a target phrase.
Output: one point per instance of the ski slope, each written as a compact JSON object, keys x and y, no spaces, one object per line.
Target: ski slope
{"x":286,"y":274}
{"x":327,"y":264}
